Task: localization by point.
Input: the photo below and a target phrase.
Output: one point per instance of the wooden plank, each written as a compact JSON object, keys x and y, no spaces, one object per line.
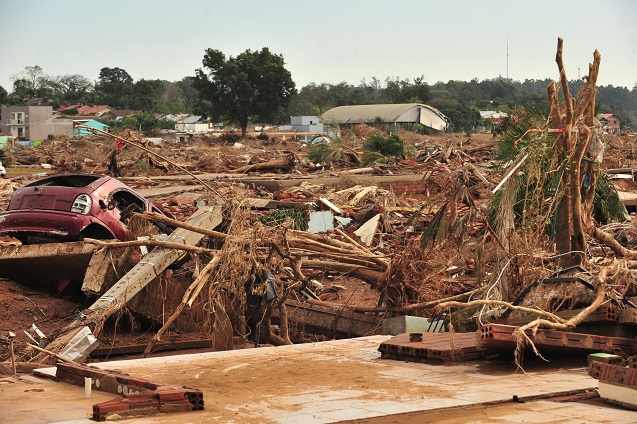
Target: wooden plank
{"x":138,"y":348}
{"x":104,"y":268}
{"x":329,"y":321}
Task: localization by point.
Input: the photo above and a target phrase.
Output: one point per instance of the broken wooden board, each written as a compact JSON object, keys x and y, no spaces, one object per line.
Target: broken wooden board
{"x":45,"y":264}
{"x":107,"y":381}
{"x":367,"y":231}
{"x":628,"y":199}
{"x":136,"y":279}
{"x":104,"y":268}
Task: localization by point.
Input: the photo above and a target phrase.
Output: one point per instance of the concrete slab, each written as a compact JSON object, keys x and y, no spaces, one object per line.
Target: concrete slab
{"x":34,"y":263}
{"x":343,"y":380}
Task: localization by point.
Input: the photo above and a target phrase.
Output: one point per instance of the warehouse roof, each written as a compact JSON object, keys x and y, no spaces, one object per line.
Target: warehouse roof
{"x":405,"y":112}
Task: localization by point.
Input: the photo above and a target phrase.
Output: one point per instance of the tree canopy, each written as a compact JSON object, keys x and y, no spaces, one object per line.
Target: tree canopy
{"x":252,"y":86}
{"x":148,"y":94}
{"x":114,"y":88}
{"x":72,"y":89}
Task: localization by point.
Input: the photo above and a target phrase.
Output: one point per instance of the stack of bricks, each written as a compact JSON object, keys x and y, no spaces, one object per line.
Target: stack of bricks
{"x":617,"y":377}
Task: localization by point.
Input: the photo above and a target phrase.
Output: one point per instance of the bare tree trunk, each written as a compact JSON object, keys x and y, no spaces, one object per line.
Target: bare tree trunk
{"x":572,"y":217}
{"x":562,"y":219}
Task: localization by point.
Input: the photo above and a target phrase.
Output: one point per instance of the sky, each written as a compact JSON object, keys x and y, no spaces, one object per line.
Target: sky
{"x":324,"y":41}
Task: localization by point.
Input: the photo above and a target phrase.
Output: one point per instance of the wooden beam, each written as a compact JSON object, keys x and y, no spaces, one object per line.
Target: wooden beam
{"x":151,"y":265}
{"x":156,"y":261}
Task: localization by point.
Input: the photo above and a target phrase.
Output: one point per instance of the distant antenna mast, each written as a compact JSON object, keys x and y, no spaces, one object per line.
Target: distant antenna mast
{"x":507,"y":55}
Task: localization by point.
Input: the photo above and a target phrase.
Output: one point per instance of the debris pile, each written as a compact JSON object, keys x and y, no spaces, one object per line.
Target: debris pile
{"x":503,"y":247}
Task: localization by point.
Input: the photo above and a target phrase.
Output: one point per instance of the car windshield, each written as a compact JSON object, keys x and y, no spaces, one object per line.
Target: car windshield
{"x":67,"y":181}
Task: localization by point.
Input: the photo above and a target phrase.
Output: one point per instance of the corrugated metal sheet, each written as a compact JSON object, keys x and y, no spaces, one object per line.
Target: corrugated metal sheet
{"x":193,"y":119}
{"x":401,"y":113}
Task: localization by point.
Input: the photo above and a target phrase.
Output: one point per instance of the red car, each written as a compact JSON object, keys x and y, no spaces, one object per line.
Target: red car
{"x":70,"y":207}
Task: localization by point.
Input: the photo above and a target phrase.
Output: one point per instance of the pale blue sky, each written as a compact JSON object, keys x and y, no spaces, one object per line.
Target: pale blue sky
{"x":323,"y":41}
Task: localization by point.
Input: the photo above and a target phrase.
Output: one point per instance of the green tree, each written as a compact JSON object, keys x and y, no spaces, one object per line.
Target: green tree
{"x":144,"y":121}
{"x":33,"y":74}
{"x":188,"y":92}
{"x":114,"y":88}
{"x":71,"y":89}
{"x":311,"y":100}
{"x":148,"y":94}
{"x":23,"y":88}
{"x":462,"y":117}
{"x":403,"y":91}
{"x":32,"y":82}
{"x":3,"y":95}
{"x":253,"y":85}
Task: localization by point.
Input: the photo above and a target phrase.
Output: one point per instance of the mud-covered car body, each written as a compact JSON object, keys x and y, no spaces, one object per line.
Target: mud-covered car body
{"x":70,"y":207}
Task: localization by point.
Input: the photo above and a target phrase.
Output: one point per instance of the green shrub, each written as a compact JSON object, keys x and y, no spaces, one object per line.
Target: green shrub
{"x":324,"y":152}
{"x":385,"y":149}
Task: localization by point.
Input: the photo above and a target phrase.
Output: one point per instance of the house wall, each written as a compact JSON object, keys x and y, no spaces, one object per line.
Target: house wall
{"x":52,"y":126}
{"x":38,"y":122}
{"x":611,"y":124}
{"x":311,"y":128}
{"x":9,"y":127}
{"x":304,"y":120}
{"x":196,"y":128}
{"x":104,"y":111}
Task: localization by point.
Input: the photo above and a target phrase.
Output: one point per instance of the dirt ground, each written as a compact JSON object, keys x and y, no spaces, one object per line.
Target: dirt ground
{"x":21,"y":306}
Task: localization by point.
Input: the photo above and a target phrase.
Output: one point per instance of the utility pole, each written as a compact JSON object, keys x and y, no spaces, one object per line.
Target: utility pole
{"x":507,"y":55}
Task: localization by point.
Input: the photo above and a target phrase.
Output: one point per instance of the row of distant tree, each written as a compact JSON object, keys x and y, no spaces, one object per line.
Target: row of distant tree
{"x":114,"y":87}
{"x":256,"y":87}
{"x":459,"y":100}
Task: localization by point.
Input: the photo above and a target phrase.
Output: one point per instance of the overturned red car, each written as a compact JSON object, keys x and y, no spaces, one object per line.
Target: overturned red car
{"x":71,"y":207}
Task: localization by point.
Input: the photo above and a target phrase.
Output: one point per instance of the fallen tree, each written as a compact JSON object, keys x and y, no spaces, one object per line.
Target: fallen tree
{"x":284,"y":164}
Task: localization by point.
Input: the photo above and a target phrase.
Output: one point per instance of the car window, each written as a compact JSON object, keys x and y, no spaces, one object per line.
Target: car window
{"x":127,"y":203}
{"x":76,"y":181}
